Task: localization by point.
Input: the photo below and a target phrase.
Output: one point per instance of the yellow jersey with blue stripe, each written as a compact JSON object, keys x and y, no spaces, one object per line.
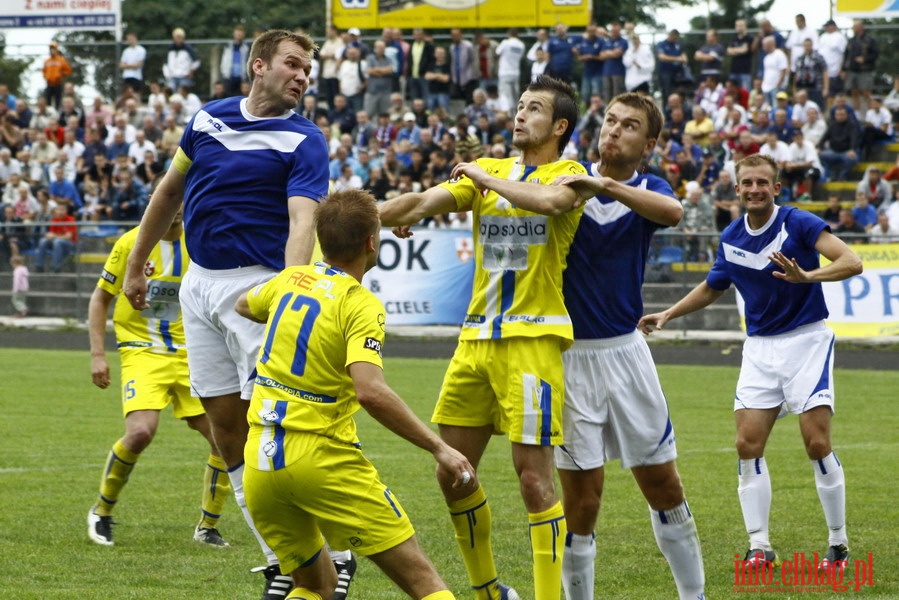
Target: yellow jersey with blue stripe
{"x":157,"y":328}
{"x":320,"y":321}
{"x":519,"y":256}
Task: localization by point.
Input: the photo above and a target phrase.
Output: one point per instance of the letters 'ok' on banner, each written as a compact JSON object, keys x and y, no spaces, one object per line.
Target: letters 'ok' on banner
{"x":442,"y":14}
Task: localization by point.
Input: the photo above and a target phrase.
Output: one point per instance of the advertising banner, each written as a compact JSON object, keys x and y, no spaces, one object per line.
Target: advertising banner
{"x":444,"y":14}
{"x":425,"y":279}
{"x":63,"y":14}
{"x":868,"y":8}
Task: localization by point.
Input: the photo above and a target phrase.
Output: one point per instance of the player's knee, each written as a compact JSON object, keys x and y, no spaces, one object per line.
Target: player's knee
{"x":748,"y":447}
{"x":818,"y":447}
{"x":536,"y":489}
{"x":139,"y":437}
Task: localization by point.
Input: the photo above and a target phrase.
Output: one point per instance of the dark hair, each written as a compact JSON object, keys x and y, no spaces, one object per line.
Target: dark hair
{"x":645,"y":104}
{"x":344,"y":221}
{"x":266,"y":46}
{"x":564,"y":103}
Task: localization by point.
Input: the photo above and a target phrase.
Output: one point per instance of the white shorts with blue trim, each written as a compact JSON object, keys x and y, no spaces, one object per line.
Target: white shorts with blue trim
{"x":791,"y":370}
{"x":614,"y":406}
{"x":222,"y":346}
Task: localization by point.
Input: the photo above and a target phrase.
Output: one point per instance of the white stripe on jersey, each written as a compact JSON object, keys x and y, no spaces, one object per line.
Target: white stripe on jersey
{"x":491,"y":296}
{"x":752,"y":260}
{"x":531,"y":396}
{"x":280,"y":141}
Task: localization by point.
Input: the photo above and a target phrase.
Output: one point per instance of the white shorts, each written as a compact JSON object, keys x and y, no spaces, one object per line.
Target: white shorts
{"x":792,"y":370}
{"x":614,"y":406}
{"x":222,"y":346}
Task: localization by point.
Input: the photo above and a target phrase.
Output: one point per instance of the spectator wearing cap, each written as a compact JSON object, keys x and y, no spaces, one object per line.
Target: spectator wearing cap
{"x":409,"y":131}
{"x":803,"y":167}
{"x":739,"y":49}
{"x":810,"y":74}
{"x":672,"y":61}
{"x":832,"y":47}
{"x":859,"y":62}
{"x":56,"y":69}
{"x":877,"y":126}
{"x":355,"y":41}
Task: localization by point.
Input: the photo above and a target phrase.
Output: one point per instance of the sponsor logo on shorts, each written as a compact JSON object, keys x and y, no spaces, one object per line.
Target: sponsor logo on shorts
{"x":373,"y":344}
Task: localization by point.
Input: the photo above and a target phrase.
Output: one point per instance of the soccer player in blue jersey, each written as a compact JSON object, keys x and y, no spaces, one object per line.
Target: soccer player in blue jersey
{"x":320,"y":363}
{"x":154,"y":375}
{"x":614,"y":404}
{"x":250,"y":172}
{"x":506,"y":374}
{"x":772,"y":257}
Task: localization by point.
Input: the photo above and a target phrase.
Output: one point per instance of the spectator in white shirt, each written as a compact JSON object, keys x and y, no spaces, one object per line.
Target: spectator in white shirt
{"x":814,"y":127}
{"x":775,"y":70}
{"x":132,"y":63}
{"x":797,"y":37}
{"x":832,"y":46}
{"x":802,"y":166}
{"x":878,"y":126}
{"x":509,"y":53}
{"x":883,"y":232}
{"x":776,"y":149}
{"x":801,"y":106}
{"x":639,"y":64}
{"x":139,"y":148}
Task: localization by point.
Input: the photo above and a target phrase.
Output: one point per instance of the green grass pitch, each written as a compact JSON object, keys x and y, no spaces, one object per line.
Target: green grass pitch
{"x":57,"y":428}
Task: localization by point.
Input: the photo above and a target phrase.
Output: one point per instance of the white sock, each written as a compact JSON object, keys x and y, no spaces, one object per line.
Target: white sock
{"x":755,"y":499}
{"x":831,"y":486}
{"x":236,"y":476}
{"x":578,"y":565}
{"x":675,"y":532}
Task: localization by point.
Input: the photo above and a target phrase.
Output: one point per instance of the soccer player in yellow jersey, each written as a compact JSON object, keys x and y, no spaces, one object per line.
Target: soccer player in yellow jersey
{"x":305,"y":474}
{"x":154,"y":375}
{"x":506,"y":375}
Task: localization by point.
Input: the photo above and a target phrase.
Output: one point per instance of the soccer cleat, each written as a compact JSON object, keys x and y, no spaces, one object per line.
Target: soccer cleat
{"x":758,"y":557}
{"x":507,"y":593}
{"x":99,"y":529}
{"x":277,"y":586}
{"x":345,"y":572}
{"x":211,"y":536}
{"x":837,"y":557}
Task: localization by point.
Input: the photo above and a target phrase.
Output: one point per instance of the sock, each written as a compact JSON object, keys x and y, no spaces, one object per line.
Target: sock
{"x":302,"y":594}
{"x":235,"y":474}
{"x":441,"y":595}
{"x":755,"y":499}
{"x":578,"y":566}
{"x":115,"y":475}
{"x":472,"y":522}
{"x":675,"y":532}
{"x":548,"y":531}
{"x":216,"y":488}
{"x":832,"y":492}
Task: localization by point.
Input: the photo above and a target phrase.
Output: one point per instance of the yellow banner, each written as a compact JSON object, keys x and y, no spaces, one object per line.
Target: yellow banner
{"x":444,"y":14}
{"x":868,"y":8}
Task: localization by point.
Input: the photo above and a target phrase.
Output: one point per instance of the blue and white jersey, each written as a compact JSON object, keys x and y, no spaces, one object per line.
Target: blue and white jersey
{"x":242,"y":170}
{"x":773,"y":305}
{"x":607,"y":261}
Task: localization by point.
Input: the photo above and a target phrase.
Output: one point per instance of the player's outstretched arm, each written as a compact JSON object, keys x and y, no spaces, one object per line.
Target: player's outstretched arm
{"x":659,"y":208}
{"x":698,"y":298}
{"x":535,"y":197}
{"x":164,"y":204}
{"x":301,"y":238}
{"x":844,"y":262}
{"x":97,"y":310}
{"x":411,"y":208}
{"x":386,"y":407}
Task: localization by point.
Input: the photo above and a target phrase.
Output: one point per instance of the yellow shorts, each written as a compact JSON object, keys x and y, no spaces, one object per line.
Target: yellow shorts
{"x":152,"y":381}
{"x":327,"y":489}
{"x":515,"y":384}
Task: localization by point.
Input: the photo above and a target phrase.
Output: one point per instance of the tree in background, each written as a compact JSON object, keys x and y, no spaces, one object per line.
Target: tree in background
{"x":11,"y":69}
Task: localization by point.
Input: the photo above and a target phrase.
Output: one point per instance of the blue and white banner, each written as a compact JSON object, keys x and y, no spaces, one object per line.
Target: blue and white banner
{"x":61,"y":14}
{"x":425,"y":279}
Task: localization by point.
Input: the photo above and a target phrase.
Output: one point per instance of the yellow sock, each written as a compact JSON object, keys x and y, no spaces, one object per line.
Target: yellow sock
{"x":302,"y":594}
{"x":472,"y":522}
{"x":442,"y":595}
{"x":548,"y":530}
{"x":115,"y":475}
{"x":216,"y":489}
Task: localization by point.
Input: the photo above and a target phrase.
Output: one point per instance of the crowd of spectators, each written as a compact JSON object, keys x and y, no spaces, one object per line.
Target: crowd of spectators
{"x":399,"y":113}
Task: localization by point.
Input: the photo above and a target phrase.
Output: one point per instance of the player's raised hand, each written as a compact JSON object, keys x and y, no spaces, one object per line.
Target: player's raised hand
{"x":453,"y":461}
{"x":403,"y":231}
{"x":471,"y":170}
{"x":653,"y":322}
{"x":792,"y":272}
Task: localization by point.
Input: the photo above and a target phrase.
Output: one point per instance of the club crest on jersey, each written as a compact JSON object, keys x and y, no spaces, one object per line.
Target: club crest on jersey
{"x":270,"y":448}
{"x":149,"y":268}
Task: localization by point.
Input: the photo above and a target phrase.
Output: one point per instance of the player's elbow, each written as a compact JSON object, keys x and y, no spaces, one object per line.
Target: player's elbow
{"x":855,"y":266}
{"x":674,"y":212}
{"x":370,"y":396}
